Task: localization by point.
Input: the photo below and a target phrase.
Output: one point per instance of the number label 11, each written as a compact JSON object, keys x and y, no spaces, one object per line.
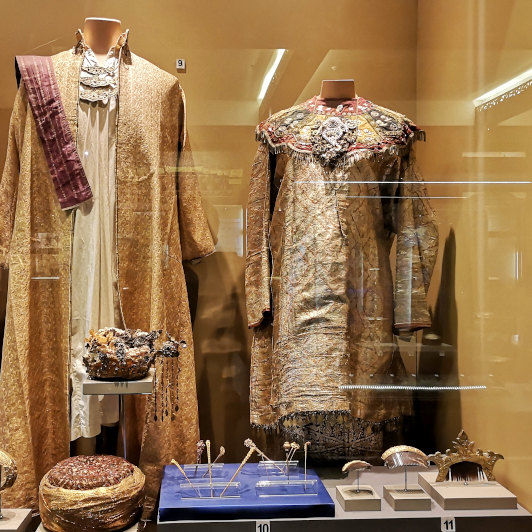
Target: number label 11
{"x":262,"y":526}
{"x":448,"y":524}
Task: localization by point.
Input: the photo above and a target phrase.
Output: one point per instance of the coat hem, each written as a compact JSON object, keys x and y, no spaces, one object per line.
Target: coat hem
{"x":270,"y":427}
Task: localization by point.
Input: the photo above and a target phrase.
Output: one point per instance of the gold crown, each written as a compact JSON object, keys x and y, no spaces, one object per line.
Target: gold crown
{"x":464,"y":452}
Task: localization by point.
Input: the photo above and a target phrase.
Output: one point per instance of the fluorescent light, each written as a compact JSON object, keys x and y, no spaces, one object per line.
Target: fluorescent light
{"x":508,"y":89}
{"x":420,"y":183}
{"x":269,"y":75}
{"x":493,"y":154}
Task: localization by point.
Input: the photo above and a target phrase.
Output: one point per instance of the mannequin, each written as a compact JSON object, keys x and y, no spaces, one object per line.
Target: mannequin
{"x":135,"y":220}
{"x":338,"y":89}
{"x":101,"y":34}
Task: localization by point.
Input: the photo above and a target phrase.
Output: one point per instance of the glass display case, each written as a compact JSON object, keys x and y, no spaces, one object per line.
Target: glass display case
{"x":347,"y":262}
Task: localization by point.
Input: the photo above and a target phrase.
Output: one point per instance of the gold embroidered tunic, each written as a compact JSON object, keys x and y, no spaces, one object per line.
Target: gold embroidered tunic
{"x":331,"y":190}
{"x":159,"y":223}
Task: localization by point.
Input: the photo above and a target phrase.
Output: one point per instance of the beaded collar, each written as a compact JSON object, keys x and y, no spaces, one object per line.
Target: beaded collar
{"x":100,"y":83}
{"x":354,"y":128}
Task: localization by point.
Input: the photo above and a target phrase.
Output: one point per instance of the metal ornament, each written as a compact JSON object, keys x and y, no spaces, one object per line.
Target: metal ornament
{"x":358,"y":466}
{"x":8,"y":474}
{"x":464,"y":452}
{"x":404,"y":455}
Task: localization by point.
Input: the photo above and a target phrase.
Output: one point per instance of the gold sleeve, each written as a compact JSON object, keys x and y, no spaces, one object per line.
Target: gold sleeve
{"x":195,"y":235}
{"x":258,"y":269}
{"x":10,"y":175}
{"x":417,"y":249}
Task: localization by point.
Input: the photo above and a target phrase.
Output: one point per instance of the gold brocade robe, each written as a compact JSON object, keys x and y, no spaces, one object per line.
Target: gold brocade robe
{"x":331,"y":190}
{"x":160,"y":222}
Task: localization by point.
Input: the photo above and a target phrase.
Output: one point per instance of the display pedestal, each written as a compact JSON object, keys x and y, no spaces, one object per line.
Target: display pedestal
{"x":139,"y":387}
{"x":415,"y":499}
{"x":474,"y":496}
{"x":99,"y":387}
{"x":255,"y":497}
{"x":385,"y":520}
{"x":15,"y":520}
{"x":353,"y":499}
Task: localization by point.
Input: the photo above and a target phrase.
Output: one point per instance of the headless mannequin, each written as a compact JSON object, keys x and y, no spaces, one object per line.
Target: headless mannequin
{"x":101,"y":34}
{"x":338,"y":89}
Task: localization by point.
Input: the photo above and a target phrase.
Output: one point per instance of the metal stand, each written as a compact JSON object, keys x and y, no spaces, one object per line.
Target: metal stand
{"x":121,"y":388}
{"x":122,"y":421}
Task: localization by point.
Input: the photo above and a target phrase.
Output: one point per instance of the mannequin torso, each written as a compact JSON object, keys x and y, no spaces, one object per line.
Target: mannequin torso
{"x":337,"y":89}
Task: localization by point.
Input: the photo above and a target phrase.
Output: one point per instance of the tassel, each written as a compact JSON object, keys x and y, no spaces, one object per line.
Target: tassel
{"x":166,"y":392}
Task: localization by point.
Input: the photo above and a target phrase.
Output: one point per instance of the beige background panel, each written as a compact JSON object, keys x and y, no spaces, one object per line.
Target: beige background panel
{"x":464,"y":50}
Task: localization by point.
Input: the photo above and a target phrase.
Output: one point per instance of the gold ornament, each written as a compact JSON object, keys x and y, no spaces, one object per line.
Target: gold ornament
{"x":8,"y":474}
{"x":464,"y":452}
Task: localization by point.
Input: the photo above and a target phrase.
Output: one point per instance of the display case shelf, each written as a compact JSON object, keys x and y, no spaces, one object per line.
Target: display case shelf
{"x":385,"y":520}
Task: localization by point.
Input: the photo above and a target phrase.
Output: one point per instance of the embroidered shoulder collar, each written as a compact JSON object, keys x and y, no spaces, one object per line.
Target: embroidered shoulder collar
{"x":355,"y":129}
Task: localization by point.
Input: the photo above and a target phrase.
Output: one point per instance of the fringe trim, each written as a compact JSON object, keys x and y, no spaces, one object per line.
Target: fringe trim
{"x":345,"y":160}
{"x":332,"y":415}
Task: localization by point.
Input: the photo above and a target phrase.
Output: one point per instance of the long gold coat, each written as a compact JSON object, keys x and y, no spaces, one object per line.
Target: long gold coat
{"x":160,"y":222}
{"x":331,"y":190}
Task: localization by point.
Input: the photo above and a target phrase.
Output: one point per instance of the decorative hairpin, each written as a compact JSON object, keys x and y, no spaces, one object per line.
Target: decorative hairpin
{"x":305,"y":447}
{"x":208,"y":443}
{"x":293,"y":448}
{"x":200,"y":447}
{"x":185,"y":475}
{"x":249,"y":443}
{"x":252,"y":449}
{"x":220,"y":454}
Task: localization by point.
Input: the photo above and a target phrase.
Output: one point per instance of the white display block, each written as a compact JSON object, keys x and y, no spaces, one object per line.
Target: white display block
{"x":16,"y":520}
{"x":100,"y":387}
{"x":451,"y":495}
{"x":353,"y":499}
{"x":414,"y":499}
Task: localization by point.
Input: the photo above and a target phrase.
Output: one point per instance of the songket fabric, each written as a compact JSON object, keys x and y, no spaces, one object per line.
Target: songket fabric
{"x":159,"y":223}
{"x":335,"y":204}
{"x":86,"y":493}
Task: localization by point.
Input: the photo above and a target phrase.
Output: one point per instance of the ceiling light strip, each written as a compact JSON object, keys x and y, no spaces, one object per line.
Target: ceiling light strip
{"x":269,"y":75}
{"x":506,"y":90}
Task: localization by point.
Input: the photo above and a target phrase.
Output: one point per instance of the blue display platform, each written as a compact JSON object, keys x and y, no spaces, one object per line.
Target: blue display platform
{"x":172,"y":507}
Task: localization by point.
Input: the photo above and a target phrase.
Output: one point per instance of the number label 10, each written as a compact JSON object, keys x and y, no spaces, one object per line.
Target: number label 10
{"x":262,"y":526}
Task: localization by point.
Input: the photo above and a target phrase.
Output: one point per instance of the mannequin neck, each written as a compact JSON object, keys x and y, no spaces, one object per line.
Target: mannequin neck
{"x":101,"y":34}
{"x":337,"y":89}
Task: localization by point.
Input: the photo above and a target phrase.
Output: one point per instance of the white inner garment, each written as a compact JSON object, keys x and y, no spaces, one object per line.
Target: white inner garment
{"x":94,"y":273}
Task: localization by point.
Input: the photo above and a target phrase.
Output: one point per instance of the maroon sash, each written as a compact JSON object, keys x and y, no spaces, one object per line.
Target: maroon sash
{"x":68,"y":176}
